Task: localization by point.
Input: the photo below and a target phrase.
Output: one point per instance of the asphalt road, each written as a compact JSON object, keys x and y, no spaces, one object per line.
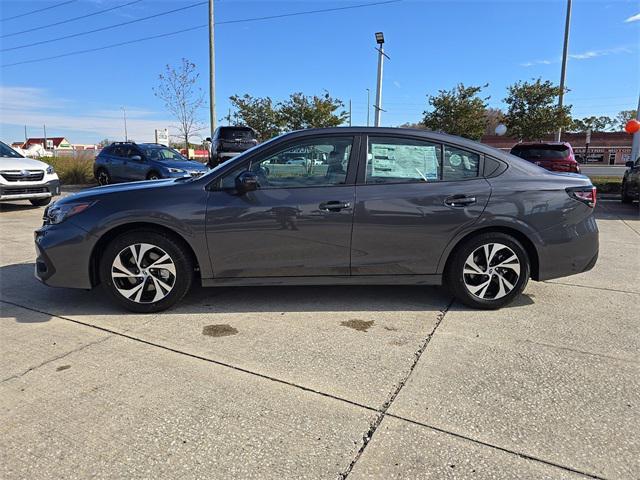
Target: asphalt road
{"x":327,"y":382}
{"x":603,"y":170}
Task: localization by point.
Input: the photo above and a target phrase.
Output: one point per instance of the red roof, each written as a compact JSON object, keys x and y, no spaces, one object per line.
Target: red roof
{"x":40,"y":141}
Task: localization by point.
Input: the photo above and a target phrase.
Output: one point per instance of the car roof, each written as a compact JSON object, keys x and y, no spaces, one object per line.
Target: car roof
{"x":542,"y":144}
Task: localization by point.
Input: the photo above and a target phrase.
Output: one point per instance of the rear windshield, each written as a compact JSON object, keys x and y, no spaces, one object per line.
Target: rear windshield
{"x":237,"y":134}
{"x":541,"y":152}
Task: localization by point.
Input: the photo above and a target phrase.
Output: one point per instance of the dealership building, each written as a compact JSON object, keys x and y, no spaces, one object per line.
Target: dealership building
{"x":606,"y":148}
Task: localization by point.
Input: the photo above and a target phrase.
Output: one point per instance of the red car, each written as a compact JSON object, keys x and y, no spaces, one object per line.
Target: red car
{"x":553,"y":156}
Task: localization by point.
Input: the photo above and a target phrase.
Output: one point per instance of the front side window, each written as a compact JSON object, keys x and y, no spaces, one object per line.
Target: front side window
{"x":311,"y":163}
{"x":163,"y":154}
{"x":399,"y":160}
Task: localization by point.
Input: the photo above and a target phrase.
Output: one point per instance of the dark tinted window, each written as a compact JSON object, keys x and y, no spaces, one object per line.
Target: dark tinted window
{"x":117,"y":151}
{"x":236,"y":133}
{"x":541,"y":152}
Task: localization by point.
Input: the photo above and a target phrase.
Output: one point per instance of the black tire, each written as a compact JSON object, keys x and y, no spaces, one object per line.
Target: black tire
{"x":40,"y":202}
{"x":164,"y":244}
{"x":455,"y":276}
{"x":103,"y":177}
{"x":624,"y":196}
{"x":153,"y":176}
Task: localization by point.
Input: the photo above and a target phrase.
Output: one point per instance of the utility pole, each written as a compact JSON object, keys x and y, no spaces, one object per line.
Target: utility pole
{"x":44,"y":128}
{"x":25,"y":134}
{"x":212,"y":71}
{"x":368,"y":105}
{"x":635,"y":146}
{"x":124,"y":115}
{"x":381,"y":55}
{"x":349,"y":112}
{"x":565,"y":54}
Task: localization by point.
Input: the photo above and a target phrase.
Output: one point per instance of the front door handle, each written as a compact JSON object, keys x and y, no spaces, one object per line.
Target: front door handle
{"x":334,"y":205}
{"x":459,"y":201}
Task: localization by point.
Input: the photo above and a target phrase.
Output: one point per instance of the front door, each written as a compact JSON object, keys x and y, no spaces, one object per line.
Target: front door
{"x":412,"y":197}
{"x":297,"y":223}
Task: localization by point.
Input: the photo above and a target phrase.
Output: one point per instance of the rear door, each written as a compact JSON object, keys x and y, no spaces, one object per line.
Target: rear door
{"x":412,"y":197}
{"x":297,"y":223}
{"x":116,"y":162}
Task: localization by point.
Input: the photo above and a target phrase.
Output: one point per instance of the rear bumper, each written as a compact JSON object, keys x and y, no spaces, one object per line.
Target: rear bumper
{"x":63,"y":255}
{"x":30,"y":191}
{"x":570,"y":250}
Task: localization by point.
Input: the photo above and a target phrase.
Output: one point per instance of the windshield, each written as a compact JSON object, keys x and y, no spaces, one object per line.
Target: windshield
{"x":7,"y":151}
{"x":541,"y":152}
{"x":163,"y":154}
{"x":236,"y":134}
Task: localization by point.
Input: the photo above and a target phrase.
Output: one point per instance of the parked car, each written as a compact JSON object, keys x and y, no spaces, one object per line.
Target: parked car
{"x":553,"y":156}
{"x":411,"y":207}
{"x":24,"y":178}
{"x":631,"y":182}
{"x":130,"y":161}
{"x":228,"y":142}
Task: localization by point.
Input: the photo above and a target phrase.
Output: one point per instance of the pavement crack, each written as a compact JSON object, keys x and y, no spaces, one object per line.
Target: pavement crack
{"x":554,"y":282}
{"x":387,"y":404}
{"x":55,"y":359}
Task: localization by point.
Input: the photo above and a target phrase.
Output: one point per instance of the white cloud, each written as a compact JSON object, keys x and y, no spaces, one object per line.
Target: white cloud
{"x":582,"y":56}
{"x":633,"y":18}
{"x":35,"y":107}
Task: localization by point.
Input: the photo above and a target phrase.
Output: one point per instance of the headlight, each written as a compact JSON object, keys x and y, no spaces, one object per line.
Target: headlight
{"x":55,"y":213}
{"x":176,"y":170}
{"x":50,"y":170}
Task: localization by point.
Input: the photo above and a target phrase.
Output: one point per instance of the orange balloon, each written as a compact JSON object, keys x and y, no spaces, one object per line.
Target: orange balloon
{"x":632,"y":126}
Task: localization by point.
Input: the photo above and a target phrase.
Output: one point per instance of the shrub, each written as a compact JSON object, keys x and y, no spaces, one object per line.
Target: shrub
{"x":72,"y":171}
{"x":610,"y":185}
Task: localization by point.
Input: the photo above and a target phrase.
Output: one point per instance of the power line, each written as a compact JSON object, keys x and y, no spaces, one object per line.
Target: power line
{"x":69,"y":20}
{"x":101,"y":29}
{"x":38,"y":10}
{"x":152,"y":37}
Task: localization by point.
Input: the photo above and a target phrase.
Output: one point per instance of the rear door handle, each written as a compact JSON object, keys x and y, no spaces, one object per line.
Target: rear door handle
{"x":459,"y":201}
{"x":334,"y":205}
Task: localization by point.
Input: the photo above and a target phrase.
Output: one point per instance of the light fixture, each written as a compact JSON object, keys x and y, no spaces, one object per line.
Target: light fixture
{"x":379,"y":38}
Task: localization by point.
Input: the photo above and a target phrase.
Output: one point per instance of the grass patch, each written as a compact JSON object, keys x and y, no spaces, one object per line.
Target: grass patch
{"x":72,"y":171}
{"x":604,"y":184}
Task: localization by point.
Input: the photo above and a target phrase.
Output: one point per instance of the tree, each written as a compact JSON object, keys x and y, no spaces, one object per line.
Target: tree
{"x":259,"y":114}
{"x":623,"y":117}
{"x":492,"y":118}
{"x":458,"y":111}
{"x":105,"y":142}
{"x":595,"y":124}
{"x":533,"y":111}
{"x":301,"y":111}
{"x":181,"y":96}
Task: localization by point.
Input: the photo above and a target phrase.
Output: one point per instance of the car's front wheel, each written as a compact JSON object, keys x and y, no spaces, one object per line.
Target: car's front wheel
{"x":146,"y":271}
{"x":103,"y":177}
{"x":488,"y":271}
{"x":40,"y":202}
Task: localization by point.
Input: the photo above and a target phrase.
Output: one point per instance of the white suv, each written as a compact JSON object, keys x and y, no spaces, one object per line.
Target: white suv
{"x":26,"y":179}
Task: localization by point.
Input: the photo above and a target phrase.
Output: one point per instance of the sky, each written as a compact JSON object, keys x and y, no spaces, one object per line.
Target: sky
{"x":432,"y":45}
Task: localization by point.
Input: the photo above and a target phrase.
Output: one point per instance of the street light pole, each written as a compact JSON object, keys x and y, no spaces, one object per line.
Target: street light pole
{"x":124,"y":115}
{"x":635,"y":146}
{"x":381,"y":55}
{"x":368,"y":105}
{"x":212,"y":71}
{"x":563,"y":71}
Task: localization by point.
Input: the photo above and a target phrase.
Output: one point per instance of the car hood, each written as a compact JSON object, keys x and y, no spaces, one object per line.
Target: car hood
{"x":9,"y":163}
{"x":96,"y":193}
{"x":189,"y":165}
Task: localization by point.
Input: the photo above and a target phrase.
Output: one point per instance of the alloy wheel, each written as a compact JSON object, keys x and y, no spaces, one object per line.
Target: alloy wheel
{"x":491,"y":271}
{"x":143,"y":273}
{"x":103,"y":178}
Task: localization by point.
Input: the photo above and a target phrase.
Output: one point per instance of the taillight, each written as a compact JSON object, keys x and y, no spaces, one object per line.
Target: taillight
{"x":586,"y":195}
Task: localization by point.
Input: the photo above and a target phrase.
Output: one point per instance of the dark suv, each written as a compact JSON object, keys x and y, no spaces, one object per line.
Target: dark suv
{"x":631,"y":182}
{"x":129,"y":161}
{"x":553,"y":156}
{"x":228,"y":142}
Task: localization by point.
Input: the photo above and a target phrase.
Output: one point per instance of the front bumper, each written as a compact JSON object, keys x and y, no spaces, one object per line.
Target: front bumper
{"x":63,"y":255}
{"x":22,"y":191}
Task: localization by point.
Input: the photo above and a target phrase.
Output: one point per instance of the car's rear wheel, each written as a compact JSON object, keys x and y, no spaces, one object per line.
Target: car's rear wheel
{"x":146,"y":271}
{"x":488,"y":271}
{"x":103,"y":177}
{"x":625,"y":197}
{"x":40,"y":202}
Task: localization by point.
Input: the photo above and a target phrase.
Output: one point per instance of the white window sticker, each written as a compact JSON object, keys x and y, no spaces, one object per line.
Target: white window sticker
{"x":404,"y":161}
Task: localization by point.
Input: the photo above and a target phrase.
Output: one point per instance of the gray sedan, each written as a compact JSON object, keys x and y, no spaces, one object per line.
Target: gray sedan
{"x":370,"y":206}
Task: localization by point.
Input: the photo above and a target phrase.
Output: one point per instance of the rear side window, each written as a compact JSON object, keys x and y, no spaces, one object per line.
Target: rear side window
{"x":541,"y":152}
{"x":117,"y":151}
{"x":400,"y":160}
{"x":459,"y":164}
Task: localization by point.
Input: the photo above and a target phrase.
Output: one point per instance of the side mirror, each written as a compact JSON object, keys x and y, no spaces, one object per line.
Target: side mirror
{"x":629,"y":164}
{"x":247,"y":182}
{"x":136,"y":158}
{"x":208,"y":139}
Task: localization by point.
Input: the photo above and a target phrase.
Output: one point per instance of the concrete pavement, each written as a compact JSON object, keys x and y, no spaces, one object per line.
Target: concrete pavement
{"x":358,"y":382}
